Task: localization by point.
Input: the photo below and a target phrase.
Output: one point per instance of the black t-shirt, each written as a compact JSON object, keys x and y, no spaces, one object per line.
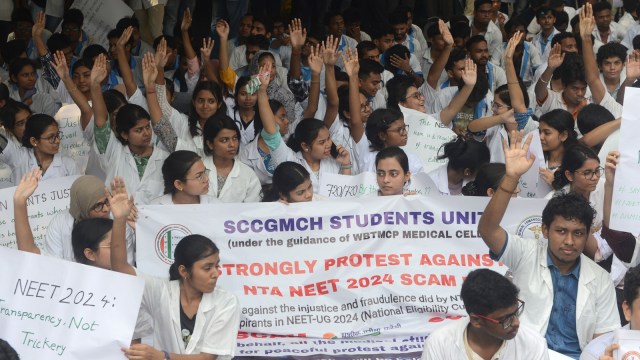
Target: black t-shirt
{"x":186,"y":325}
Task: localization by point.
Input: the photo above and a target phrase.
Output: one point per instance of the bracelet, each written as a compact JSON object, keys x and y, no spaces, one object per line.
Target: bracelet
{"x":515,"y":82}
{"x":346,"y":167}
{"x":505,"y":190}
{"x":546,"y":82}
{"x":166,"y":355}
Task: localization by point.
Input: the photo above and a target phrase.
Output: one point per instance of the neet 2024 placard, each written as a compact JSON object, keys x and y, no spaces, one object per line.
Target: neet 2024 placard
{"x":55,"y":309}
{"x":339,"y":269}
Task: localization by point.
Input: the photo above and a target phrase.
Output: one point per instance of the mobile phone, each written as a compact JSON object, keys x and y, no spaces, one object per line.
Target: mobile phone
{"x":334,"y":151}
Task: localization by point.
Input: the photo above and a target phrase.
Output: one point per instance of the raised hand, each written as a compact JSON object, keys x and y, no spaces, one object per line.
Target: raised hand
{"x":187,"y":20}
{"x":445,"y":33}
{"x":613,"y":158}
{"x":515,"y":155}
{"x":633,"y":65}
{"x":38,"y":25}
{"x":124,"y":37}
{"x":470,"y":72}
{"x":264,"y":75}
{"x":587,"y":21}
{"x":119,"y":199}
{"x":222,"y":28}
{"x":329,"y":55}
{"x":401,"y":63}
{"x":99,"y":70}
{"x":556,"y":57}
{"x":511,"y":45}
{"x":60,"y":64}
{"x":315,"y":59}
{"x":27,"y":186}
{"x":297,"y":34}
{"x":343,"y":157}
{"x":161,"y":56}
{"x":149,"y":70}
{"x":205,"y":50}
{"x":351,"y":63}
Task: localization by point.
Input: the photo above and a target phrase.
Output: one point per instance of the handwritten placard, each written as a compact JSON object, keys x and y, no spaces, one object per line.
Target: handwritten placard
{"x":426,"y":136}
{"x":73,"y":143}
{"x":422,"y":184}
{"x":50,"y":198}
{"x":348,"y":186}
{"x":56,"y":309}
{"x":625,"y":208}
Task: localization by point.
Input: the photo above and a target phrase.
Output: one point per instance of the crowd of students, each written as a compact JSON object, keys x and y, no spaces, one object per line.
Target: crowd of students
{"x":279,"y":107}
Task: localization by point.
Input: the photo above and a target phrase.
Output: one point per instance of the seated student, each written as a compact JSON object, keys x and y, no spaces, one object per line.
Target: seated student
{"x":40,"y":148}
{"x":112,"y":80}
{"x":481,"y":24}
{"x":186,"y":180}
{"x":291,"y":184}
{"x":479,"y":53}
{"x":368,"y":50}
{"x":492,"y":330}
{"x":352,"y":22}
{"x":606,"y":30}
{"x":461,"y":32}
{"x":437,"y":54}
{"x":611,"y":59}
{"x":89,"y":241}
{"x":399,"y":61}
{"x":209,"y":315}
{"x":25,"y":87}
{"x":334,"y":23}
{"x":557,"y":134}
{"x":570,"y":299}
{"x":241,"y":55}
{"x":526,"y":57}
{"x":399,"y":21}
{"x":87,"y":200}
{"x":139,"y":47}
{"x":573,"y":96}
{"x":392,"y":171}
{"x":487,"y":179}
{"x":370,"y":83}
{"x":464,"y":157}
{"x":72,"y":23}
{"x":602,"y":347}
{"x":546,"y":18}
{"x":132,"y":62}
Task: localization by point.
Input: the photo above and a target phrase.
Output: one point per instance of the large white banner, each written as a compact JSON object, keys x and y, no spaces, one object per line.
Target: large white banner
{"x":426,"y":136}
{"x":626,"y":192}
{"x":50,"y":198}
{"x":55,"y":309}
{"x":385,"y":266}
{"x":73,"y":143}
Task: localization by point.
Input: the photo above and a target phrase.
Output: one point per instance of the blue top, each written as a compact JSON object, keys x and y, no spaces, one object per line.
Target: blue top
{"x":561,"y":333}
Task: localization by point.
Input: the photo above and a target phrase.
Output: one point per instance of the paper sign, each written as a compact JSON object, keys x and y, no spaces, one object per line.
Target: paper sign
{"x":73,"y":143}
{"x":426,"y":136}
{"x":50,"y":198}
{"x":625,"y":207}
{"x":348,"y":186}
{"x":100,"y":17}
{"x":629,"y":341}
{"x":422,"y":184}
{"x":56,"y":309}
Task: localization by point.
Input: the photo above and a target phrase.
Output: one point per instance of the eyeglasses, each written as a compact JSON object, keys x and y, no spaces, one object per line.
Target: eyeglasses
{"x":52,"y":138}
{"x":495,"y":105}
{"x":201,"y":176}
{"x":401,"y":130}
{"x":416,"y":95}
{"x":99,"y":206}
{"x":508,"y":320}
{"x":591,"y":174}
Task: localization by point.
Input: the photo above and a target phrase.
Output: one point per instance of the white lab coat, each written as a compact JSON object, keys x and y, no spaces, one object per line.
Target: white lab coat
{"x":596,"y":309}
{"x":167,"y":199}
{"x":118,"y":161}
{"x":242,"y":184}
{"x":217,"y":319}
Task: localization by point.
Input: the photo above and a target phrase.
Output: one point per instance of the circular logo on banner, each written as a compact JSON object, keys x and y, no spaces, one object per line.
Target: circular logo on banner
{"x":631,"y":355}
{"x":531,"y":225}
{"x":167,"y":239}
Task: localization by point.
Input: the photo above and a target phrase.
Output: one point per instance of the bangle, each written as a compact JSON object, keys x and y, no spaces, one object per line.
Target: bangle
{"x":346,"y":167}
{"x":515,"y":82}
{"x":505,"y":190}
{"x":546,"y":82}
